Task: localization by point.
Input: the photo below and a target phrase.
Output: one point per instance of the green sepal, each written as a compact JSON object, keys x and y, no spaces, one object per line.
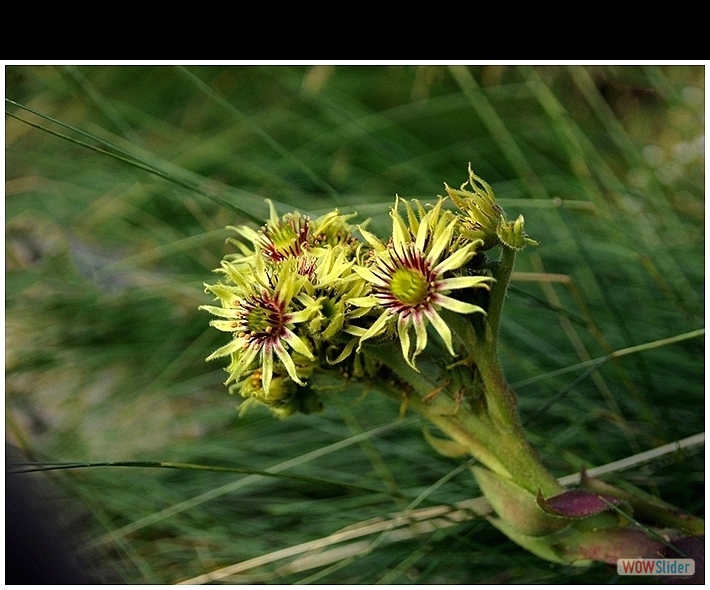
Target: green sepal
{"x":581,"y":548}
{"x":516,"y":506}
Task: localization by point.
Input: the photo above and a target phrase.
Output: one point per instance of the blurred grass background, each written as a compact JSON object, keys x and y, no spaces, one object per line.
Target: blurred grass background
{"x":107,"y":246}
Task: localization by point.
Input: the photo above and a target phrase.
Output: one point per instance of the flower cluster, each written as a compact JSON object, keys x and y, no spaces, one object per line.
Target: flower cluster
{"x":283,"y":299}
{"x":303,"y":294}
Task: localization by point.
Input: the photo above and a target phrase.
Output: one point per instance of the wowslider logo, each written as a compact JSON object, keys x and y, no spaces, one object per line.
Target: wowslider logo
{"x":655,"y":567}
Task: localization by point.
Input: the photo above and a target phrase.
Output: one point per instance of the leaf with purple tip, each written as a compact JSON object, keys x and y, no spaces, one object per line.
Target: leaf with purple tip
{"x":575,"y":503}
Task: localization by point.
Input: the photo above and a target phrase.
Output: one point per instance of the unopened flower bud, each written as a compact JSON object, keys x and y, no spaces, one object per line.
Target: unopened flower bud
{"x":483,"y":219}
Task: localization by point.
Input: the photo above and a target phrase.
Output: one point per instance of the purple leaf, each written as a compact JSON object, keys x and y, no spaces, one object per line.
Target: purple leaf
{"x":575,"y":503}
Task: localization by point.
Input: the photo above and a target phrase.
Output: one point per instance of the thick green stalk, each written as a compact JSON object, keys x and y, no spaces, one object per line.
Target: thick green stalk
{"x":504,"y":450}
{"x":527,"y":470}
{"x":501,"y":273}
{"x":474,"y":436}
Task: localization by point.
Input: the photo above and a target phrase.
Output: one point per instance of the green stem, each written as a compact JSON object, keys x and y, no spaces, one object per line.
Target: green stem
{"x":483,"y":348}
{"x":440,"y":409}
{"x":501,"y":273}
{"x":505,"y":451}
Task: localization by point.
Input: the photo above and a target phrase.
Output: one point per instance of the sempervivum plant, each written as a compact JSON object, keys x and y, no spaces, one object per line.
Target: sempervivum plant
{"x":302,"y":297}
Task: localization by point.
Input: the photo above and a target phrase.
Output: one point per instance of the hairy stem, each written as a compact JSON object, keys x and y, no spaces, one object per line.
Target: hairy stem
{"x":501,"y":273}
{"x":505,"y":450}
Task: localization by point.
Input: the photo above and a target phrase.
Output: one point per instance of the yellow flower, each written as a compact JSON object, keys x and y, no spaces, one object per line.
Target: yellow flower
{"x":411,"y":277}
{"x":294,"y":235}
{"x":261,"y":319}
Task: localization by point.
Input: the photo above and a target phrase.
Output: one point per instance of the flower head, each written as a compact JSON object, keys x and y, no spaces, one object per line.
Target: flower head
{"x":261,"y":315}
{"x":411,"y":277}
{"x":294,"y":235}
{"x":285,"y":238}
{"x":332,"y":284}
